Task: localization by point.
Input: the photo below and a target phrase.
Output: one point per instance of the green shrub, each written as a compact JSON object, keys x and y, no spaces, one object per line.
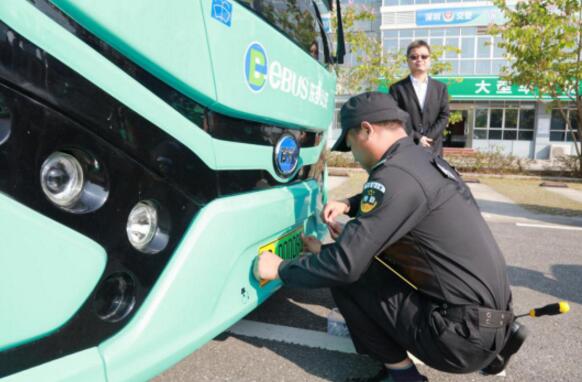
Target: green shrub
{"x":487,"y":162}
{"x":339,"y":159}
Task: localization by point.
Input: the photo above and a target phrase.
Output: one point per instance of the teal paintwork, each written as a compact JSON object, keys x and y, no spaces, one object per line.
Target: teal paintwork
{"x":199,"y":293}
{"x":169,"y":41}
{"x":217,"y":154}
{"x":84,"y":366}
{"x":39,"y":292}
{"x":282,"y":98}
{"x":57,"y":41}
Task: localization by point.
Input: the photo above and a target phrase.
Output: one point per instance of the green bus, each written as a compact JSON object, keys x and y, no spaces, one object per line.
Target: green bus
{"x":149,"y":150}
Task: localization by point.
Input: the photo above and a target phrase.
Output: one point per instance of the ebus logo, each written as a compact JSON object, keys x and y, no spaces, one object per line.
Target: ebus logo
{"x":256,"y":66}
{"x":259,"y":71}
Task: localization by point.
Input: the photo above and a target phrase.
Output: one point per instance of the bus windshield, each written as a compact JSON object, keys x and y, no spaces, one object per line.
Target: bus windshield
{"x":298,"y":20}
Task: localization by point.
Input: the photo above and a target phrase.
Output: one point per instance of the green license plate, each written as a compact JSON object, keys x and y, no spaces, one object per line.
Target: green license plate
{"x":288,"y":246}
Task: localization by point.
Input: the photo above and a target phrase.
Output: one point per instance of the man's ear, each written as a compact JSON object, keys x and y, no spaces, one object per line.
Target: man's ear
{"x":367,"y":128}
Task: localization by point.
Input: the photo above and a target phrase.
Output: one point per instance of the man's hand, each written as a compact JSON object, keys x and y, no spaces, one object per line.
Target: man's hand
{"x":334,"y":208}
{"x":311,"y":244}
{"x":335,"y":229}
{"x":266,"y":266}
{"x":425,"y":141}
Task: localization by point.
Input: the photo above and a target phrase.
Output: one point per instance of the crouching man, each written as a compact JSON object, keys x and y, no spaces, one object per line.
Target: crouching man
{"x":417,"y":269}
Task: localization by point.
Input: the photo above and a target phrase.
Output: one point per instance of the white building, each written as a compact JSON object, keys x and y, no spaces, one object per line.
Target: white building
{"x":496,"y":116}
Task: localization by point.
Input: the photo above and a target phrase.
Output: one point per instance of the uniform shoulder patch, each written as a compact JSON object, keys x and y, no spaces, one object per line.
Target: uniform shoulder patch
{"x":372,"y":196}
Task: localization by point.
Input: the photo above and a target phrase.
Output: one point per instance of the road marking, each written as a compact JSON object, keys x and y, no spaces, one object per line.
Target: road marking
{"x":564,"y":227}
{"x":301,"y":337}
{"x":296,"y":336}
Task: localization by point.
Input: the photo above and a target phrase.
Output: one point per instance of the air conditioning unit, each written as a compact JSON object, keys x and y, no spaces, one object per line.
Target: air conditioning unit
{"x":559,"y":150}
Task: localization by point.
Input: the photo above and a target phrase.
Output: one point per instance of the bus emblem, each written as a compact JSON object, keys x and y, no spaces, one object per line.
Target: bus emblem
{"x":222,"y":11}
{"x":256,"y":65}
{"x":286,"y":155}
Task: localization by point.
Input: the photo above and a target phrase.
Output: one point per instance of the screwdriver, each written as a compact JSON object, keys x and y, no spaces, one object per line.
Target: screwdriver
{"x":548,"y":310}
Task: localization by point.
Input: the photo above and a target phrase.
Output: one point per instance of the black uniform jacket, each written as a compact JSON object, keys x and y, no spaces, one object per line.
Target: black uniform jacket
{"x":418,"y":216}
{"x":429,"y":121}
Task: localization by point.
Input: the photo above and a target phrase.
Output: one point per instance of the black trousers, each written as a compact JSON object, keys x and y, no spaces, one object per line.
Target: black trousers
{"x":386,"y":318}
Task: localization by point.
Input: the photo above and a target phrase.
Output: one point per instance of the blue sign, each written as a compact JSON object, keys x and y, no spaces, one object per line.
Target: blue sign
{"x":286,"y":155}
{"x":459,"y":16}
{"x":222,"y":11}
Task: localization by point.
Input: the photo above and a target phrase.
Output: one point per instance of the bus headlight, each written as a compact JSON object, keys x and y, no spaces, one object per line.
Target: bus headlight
{"x":147,"y":228}
{"x":62,"y":179}
{"x":115,"y":297}
{"x":74,"y":181}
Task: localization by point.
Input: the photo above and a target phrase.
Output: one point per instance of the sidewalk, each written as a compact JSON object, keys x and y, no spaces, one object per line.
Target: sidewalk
{"x":495,"y":206}
{"x":569,"y":193}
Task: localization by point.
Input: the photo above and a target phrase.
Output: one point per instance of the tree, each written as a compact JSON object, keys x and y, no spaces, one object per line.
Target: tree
{"x":375,"y":68}
{"x":542,"y":40}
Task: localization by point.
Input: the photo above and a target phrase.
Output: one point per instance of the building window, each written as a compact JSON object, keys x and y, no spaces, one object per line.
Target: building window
{"x":507,"y":123}
{"x":527,"y":118}
{"x":479,"y":54}
{"x":484,"y":47}
{"x":468,"y":47}
{"x":411,"y":2}
{"x":558,"y":128}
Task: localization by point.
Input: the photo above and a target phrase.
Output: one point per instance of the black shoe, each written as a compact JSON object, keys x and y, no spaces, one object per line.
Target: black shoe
{"x":384,"y":376}
{"x":518,"y":335}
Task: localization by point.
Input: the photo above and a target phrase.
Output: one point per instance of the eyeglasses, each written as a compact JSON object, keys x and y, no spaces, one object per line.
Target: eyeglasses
{"x":415,"y":57}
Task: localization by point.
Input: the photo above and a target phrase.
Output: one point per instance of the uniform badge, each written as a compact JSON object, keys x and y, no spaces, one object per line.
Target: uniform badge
{"x":372,"y":196}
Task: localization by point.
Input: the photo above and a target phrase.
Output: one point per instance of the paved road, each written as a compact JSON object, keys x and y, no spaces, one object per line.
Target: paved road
{"x":545,"y":263}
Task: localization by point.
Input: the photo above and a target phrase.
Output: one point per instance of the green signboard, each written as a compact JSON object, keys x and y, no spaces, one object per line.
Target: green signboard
{"x":487,"y":88}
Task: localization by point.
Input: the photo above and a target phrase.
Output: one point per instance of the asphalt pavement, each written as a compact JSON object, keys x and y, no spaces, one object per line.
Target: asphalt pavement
{"x":285,"y":338}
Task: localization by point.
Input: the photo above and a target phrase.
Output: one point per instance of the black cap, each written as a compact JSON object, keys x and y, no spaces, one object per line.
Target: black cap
{"x":371,"y":107}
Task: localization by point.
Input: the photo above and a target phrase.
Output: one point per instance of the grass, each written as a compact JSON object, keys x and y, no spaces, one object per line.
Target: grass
{"x":528,"y":194}
{"x":525,"y":192}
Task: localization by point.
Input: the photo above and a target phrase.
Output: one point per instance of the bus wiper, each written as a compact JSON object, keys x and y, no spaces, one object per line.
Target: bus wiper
{"x":341,"y":44}
{"x":328,"y":58}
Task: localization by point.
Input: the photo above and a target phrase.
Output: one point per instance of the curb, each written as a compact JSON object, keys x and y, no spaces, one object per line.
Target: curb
{"x":525,"y":177}
{"x":346,"y":171}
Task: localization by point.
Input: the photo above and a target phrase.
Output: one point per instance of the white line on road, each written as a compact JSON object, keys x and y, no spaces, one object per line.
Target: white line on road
{"x":550,"y":226}
{"x":296,"y":336}
{"x":301,"y":337}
